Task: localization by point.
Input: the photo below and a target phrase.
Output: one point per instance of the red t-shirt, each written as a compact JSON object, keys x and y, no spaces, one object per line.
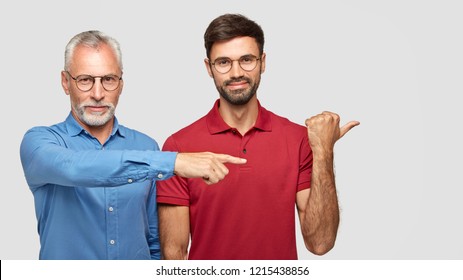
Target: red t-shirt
{"x":251,"y":213}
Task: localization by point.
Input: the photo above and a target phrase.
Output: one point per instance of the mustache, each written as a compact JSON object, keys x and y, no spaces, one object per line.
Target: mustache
{"x":236,"y":80}
{"x":100,"y":104}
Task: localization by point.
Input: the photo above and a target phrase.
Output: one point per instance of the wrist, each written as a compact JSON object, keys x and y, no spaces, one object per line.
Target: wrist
{"x":323,"y":154}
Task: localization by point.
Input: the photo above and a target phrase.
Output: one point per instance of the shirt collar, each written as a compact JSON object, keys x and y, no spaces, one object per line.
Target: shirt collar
{"x":74,"y":128}
{"x":216,"y":124}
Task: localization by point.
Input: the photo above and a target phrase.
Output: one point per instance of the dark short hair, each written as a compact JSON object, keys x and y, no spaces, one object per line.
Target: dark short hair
{"x":229,"y":26}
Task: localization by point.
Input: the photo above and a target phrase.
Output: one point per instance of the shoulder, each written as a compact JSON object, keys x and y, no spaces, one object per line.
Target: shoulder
{"x":137,"y":137}
{"x":294,"y":134}
{"x":283,"y":123}
{"x":44,"y":131}
{"x":197,"y":127}
{"x":134,"y":133}
{"x":185,"y":135}
{"x":39,"y":136}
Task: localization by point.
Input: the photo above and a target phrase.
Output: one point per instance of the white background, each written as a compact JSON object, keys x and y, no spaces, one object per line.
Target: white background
{"x":395,"y":66}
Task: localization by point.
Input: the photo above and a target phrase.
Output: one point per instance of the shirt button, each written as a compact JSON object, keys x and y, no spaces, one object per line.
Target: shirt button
{"x":244,"y":151}
{"x":112,"y":242}
{"x":160,"y":176}
{"x":110,"y":209}
{"x":130,"y":181}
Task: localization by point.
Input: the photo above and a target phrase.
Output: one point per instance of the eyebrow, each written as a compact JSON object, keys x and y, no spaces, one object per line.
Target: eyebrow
{"x":249,"y":54}
{"x":99,"y":76}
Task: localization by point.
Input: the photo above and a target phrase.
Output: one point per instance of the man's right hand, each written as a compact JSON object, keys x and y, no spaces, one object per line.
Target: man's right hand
{"x":206,"y":165}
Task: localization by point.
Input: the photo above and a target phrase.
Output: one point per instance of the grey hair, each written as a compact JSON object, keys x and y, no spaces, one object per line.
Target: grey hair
{"x":93,"y":39}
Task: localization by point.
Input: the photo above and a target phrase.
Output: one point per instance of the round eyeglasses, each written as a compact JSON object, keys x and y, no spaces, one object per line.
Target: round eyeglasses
{"x":86,"y":82}
{"x":224,"y":64}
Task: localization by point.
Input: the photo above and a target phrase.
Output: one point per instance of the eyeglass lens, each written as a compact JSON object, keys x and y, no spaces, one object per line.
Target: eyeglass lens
{"x":224,"y":64}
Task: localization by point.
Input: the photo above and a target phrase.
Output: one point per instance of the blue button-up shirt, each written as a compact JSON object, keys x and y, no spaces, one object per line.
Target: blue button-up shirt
{"x":94,"y":201}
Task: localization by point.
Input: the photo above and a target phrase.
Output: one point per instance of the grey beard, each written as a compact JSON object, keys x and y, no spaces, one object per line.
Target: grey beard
{"x":95,"y":119}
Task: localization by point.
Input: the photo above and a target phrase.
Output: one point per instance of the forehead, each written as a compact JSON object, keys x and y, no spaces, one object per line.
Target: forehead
{"x":91,"y":60}
{"x":235,"y":48}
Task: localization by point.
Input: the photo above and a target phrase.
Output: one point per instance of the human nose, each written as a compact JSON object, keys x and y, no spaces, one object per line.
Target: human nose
{"x":236,"y":70}
{"x":98,"y":91}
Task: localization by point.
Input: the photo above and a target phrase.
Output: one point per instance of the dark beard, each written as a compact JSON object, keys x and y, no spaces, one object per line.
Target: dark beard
{"x":240,"y":96}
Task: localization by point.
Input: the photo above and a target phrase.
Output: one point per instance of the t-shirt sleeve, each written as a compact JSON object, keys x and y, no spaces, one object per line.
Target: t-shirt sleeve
{"x":174,"y":190}
{"x":305,"y":164}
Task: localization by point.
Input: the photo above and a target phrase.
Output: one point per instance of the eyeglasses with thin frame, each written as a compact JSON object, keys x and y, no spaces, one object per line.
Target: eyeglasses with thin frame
{"x":86,"y":82}
{"x":224,"y":64}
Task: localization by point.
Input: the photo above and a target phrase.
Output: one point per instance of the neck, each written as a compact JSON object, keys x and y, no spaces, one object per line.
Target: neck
{"x":241,"y":117}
